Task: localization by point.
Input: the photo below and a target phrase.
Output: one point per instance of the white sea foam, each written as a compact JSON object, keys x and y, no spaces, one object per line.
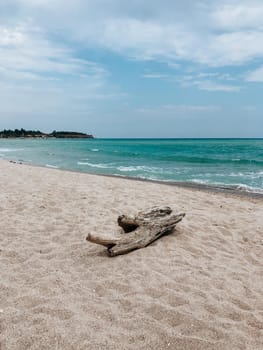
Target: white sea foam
{"x":139,"y":168}
{"x":248,"y":175}
{"x":235,"y":174}
{"x":247,"y":188}
{"x":52,"y":166}
{"x":6,"y":150}
{"x":240,"y":187}
{"x":141,"y":177}
{"x":95,"y":150}
{"x":201,"y":182}
{"x":127,"y":168}
{"x":99,"y":165}
{"x":256,"y":175}
{"x":149,"y":178}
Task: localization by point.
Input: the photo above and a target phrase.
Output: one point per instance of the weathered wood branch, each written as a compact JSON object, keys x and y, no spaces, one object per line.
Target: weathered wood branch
{"x":141,"y":230}
{"x":130,"y":223}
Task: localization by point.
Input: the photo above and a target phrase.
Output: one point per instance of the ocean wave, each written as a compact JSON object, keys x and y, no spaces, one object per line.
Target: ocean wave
{"x":134,"y":168}
{"x":6,"y":150}
{"x":95,"y":150}
{"x":83,"y":163}
{"x":246,"y":188}
{"x":52,"y":166}
{"x":98,"y":165}
{"x":208,"y":160}
{"x":201,"y":182}
{"x":127,"y":168}
{"x":235,"y":174}
{"x":139,"y":177}
{"x":143,"y":168}
{"x":238,"y":187}
{"x":246,"y":175}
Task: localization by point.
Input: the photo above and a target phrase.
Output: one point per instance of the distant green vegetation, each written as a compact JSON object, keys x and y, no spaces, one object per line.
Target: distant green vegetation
{"x":36,"y":133}
{"x":20,"y":133}
{"x":69,"y":134}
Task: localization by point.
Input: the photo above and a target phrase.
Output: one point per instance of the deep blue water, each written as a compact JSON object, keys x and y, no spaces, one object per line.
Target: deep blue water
{"x":236,"y":163}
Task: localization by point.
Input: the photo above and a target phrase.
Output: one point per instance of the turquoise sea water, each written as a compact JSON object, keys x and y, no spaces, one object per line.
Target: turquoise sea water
{"x":234,"y":163}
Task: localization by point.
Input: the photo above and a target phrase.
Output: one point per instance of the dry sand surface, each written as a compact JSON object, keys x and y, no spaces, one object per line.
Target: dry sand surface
{"x":198,"y":288}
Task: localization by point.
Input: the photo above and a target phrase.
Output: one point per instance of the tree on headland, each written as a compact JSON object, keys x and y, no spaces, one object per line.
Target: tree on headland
{"x":36,"y":133}
{"x":20,"y":133}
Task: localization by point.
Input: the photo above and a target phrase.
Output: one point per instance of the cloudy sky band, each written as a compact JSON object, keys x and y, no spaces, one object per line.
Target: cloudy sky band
{"x":63,"y":59}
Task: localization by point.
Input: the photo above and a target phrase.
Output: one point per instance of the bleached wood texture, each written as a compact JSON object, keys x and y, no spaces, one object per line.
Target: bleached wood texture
{"x":139,"y":230}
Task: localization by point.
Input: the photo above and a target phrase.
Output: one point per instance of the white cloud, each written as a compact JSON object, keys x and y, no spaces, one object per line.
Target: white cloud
{"x":215,"y":86}
{"x":178,"y":109}
{"x":45,"y":77}
{"x":235,"y":48}
{"x":210,"y":32}
{"x":208,"y":81}
{"x":156,"y":76}
{"x":255,"y":75}
{"x":26,"y":48}
{"x":192,"y":108}
{"x":238,"y":15}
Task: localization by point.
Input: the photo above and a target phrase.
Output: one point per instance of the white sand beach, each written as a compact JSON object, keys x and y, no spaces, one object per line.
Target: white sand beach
{"x":199,"y":288}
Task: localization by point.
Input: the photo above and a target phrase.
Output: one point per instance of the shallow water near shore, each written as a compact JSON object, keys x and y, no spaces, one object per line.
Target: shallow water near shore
{"x":230,"y":163}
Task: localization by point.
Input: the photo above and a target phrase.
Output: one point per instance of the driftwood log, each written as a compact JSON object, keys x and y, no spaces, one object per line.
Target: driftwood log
{"x":139,"y":230}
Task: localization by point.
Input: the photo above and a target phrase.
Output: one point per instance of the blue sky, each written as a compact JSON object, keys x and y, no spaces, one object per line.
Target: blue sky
{"x":117,"y":68}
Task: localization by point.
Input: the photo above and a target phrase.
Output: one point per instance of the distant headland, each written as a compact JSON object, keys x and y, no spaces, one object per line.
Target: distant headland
{"x":22,"y":133}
